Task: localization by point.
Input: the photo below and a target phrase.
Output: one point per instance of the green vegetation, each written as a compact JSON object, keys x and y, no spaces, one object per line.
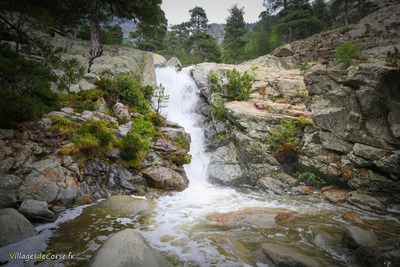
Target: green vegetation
{"x":235,"y":30}
{"x":213,"y":80}
{"x":25,"y":89}
{"x":64,"y":126}
{"x":348,"y":53}
{"x":218,"y":110}
{"x":285,"y":139}
{"x":393,"y":58}
{"x":310,"y":179}
{"x":239,"y":86}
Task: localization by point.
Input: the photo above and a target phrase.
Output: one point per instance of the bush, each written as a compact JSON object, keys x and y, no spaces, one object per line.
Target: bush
{"x":239,"y":86}
{"x":81,"y":101}
{"x":133,"y":147}
{"x":93,"y":138}
{"x":347,"y":53}
{"x":218,"y":110}
{"x":213,"y":80}
{"x":64,"y":126}
{"x":284,"y":141}
{"x":310,"y":179}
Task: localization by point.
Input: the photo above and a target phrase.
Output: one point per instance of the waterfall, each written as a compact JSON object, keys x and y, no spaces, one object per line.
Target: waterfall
{"x":183,"y":97}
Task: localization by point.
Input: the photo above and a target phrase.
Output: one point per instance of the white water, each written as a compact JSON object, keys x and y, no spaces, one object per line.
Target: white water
{"x":172,"y":228}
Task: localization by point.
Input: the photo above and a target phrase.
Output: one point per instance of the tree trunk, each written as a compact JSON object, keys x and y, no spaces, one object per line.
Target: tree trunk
{"x":96,"y":49}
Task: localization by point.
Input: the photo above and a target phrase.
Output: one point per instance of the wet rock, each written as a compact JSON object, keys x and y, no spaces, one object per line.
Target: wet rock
{"x":127,"y":248}
{"x":324,"y":241}
{"x":14,"y":227}
{"x":380,"y":254}
{"x":127,"y":205}
{"x":255,"y":217}
{"x":8,"y":185}
{"x":123,"y":182}
{"x":229,"y":246}
{"x":303,"y":190}
{"x":174,"y":62}
{"x":284,"y":256}
{"x":35,"y":209}
{"x":353,"y":218}
{"x":165,"y":178}
{"x":365,"y":202}
{"x":355,"y":237}
{"x":336,"y":196}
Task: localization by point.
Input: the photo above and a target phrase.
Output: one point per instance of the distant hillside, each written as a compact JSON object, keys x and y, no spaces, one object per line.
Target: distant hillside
{"x":216,"y":30}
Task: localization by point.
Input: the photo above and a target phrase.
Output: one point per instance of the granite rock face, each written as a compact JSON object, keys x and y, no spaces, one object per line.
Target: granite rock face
{"x":356,"y":141}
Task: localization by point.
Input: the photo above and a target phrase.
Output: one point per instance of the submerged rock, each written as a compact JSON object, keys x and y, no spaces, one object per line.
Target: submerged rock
{"x":254,"y":217}
{"x":355,"y":237}
{"x":127,"y":248}
{"x":127,"y":205}
{"x":284,"y":256}
{"x":14,"y":227}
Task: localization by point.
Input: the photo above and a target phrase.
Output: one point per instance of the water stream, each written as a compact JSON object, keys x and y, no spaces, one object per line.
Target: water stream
{"x":178,"y":227}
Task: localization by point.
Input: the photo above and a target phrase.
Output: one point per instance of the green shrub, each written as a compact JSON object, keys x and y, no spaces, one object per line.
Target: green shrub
{"x":218,"y":110}
{"x":64,"y":126}
{"x":284,"y":141}
{"x":213,"y":80}
{"x":239,"y":86}
{"x":347,"y":53}
{"x":25,"y":89}
{"x":72,"y":73}
{"x":93,"y":138}
{"x":393,"y":58}
{"x":133,"y":147}
{"x":81,"y":101}
{"x":310,"y":179}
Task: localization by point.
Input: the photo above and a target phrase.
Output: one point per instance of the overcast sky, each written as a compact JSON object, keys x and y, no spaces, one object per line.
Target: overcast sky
{"x":177,"y":11}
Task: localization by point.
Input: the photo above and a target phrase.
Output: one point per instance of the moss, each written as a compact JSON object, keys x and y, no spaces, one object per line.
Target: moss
{"x":179,"y":158}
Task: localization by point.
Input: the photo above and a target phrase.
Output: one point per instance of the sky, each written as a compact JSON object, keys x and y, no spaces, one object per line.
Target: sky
{"x":177,"y":11}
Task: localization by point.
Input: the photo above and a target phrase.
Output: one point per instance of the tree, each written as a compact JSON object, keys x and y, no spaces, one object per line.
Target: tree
{"x":341,"y":6}
{"x":198,"y":19}
{"x":202,"y":47}
{"x":147,"y":12}
{"x":274,"y":5}
{"x":320,"y":12}
{"x":150,"y":37}
{"x":296,"y":21}
{"x":234,"y":32}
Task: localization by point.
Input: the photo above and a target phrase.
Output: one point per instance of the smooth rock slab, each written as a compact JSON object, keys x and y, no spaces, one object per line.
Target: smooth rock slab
{"x":14,"y":227}
{"x":127,"y":205}
{"x":127,"y":248}
{"x":385,"y":253}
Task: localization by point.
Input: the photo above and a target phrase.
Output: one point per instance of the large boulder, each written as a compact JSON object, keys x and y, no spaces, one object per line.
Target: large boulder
{"x":127,"y":248}
{"x":8,"y":185}
{"x":174,"y":63}
{"x":355,"y":237}
{"x":14,"y":227}
{"x":35,"y":209}
{"x":165,"y":178}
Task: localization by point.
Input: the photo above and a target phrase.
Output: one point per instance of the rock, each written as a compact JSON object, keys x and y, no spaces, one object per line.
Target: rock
{"x":365,"y":202}
{"x":284,"y":256}
{"x":121,"y":111}
{"x":283,"y":51}
{"x":353,"y":218}
{"x":303,"y":190}
{"x":330,"y":141}
{"x":174,"y":62}
{"x":159,"y":60}
{"x":8,"y":185}
{"x":35,"y":208}
{"x":123,"y":182}
{"x":324,"y":241}
{"x":127,"y":248}
{"x":383,"y":253}
{"x":165,"y":178}
{"x":255,"y":217}
{"x":14,"y":227}
{"x":124,"y":129}
{"x":336,"y":196}
{"x":355,"y":237}
{"x":127,"y":205}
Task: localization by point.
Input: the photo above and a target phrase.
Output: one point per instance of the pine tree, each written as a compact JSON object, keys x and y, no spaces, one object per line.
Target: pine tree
{"x":234,"y":32}
{"x":198,"y":19}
